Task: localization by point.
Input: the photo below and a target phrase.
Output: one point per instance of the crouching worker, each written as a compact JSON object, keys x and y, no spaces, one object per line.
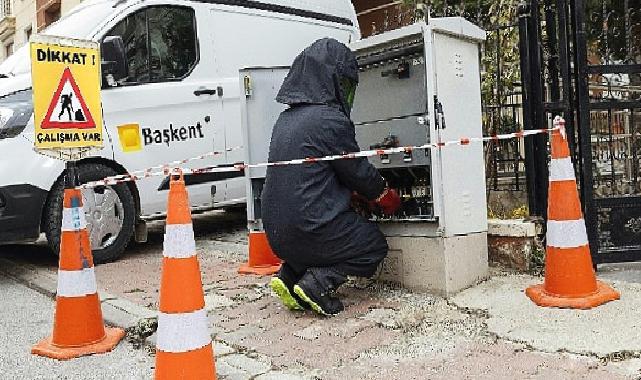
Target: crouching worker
{"x":306,"y":208}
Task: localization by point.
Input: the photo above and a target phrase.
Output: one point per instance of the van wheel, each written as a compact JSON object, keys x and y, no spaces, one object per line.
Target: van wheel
{"x":109,"y":210}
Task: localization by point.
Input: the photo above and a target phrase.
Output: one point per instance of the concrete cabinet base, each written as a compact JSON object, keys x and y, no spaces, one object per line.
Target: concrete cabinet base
{"x":439,"y":265}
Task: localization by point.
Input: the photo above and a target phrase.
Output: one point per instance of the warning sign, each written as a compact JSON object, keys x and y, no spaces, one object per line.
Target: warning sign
{"x":66,"y":93}
{"x":68,"y":108}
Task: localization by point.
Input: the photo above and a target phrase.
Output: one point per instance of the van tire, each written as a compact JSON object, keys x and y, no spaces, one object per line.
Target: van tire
{"x":52,"y":218}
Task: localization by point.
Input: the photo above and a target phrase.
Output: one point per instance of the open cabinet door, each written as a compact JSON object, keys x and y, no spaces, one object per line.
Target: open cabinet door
{"x":457,"y":88}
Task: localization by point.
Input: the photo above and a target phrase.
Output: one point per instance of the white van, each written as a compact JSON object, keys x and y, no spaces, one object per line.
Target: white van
{"x":170,"y":67}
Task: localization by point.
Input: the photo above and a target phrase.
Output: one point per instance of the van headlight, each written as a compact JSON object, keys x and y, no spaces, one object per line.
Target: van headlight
{"x":15,"y":111}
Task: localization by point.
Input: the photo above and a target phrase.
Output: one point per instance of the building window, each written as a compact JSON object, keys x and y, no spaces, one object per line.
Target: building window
{"x":5,"y":8}
{"x":8,"y":49}
{"x":52,"y":14}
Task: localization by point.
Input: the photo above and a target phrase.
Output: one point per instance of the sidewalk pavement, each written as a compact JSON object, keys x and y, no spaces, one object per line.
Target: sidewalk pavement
{"x":27,"y":316}
{"x":491,"y":331}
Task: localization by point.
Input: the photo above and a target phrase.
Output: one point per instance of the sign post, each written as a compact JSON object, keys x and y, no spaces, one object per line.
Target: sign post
{"x":66,"y":99}
{"x":68,"y":126}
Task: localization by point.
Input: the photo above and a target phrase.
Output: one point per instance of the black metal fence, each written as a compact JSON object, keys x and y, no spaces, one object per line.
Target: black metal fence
{"x":502,"y":113}
{"x":583,"y":60}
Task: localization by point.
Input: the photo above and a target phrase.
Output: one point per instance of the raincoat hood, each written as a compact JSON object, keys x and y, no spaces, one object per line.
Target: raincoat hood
{"x":315,"y":76}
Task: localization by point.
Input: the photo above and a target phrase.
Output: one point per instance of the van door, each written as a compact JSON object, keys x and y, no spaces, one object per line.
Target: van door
{"x":169,"y":97}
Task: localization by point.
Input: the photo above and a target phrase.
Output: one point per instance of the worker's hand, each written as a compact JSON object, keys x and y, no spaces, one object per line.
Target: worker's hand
{"x":357,"y":198}
{"x":361,"y":205}
{"x":389,"y":201}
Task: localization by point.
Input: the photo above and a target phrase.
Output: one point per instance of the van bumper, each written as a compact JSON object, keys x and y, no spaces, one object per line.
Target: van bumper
{"x":20,"y":213}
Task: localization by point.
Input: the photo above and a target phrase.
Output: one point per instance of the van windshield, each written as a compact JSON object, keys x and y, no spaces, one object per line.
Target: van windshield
{"x":78,"y":23}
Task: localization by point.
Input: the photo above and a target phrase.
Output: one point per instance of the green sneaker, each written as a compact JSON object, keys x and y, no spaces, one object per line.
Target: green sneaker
{"x":320,"y":302}
{"x":286,"y":297}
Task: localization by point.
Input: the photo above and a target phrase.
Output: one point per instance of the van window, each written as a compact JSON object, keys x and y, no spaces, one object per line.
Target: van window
{"x":160,"y":43}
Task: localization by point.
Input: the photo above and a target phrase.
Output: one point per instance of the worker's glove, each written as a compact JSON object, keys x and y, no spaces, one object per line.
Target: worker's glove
{"x":389,"y":201}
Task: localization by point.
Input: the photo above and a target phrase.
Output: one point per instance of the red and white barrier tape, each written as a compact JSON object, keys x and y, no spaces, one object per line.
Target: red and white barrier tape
{"x":164,"y":170}
{"x":160,"y":170}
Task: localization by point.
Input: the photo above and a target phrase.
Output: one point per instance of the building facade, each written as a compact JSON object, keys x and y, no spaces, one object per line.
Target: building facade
{"x":377,"y":16}
{"x":19,"y":19}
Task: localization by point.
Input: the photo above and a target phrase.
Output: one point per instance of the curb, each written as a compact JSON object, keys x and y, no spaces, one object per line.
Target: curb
{"x":138,"y":321}
{"x":115,"y":311}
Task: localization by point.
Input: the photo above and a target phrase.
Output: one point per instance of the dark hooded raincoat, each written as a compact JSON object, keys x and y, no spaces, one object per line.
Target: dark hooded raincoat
{"x":306,"y":208}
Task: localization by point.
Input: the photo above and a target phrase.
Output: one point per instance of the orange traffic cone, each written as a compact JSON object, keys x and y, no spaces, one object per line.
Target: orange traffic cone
{"x":570,"y":281}
{"x":262,"y":260}
{"x":78,"y":328}
{"x":183,"y":347}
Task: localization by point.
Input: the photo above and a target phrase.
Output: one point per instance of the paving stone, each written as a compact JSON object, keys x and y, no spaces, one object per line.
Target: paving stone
{"x":129,"y":307}
{"x":610,"y":328}
{"x":277,"y":375}
{"x":252,"y":366}
{"x":383,"y":317}
{"x":216,"y":301}
{"x":237,"y":336}
{"x":114,"y":316}
{"x":215,"y":319}
{"x":208,"y":288}
{"x":227,"y":372}
{"x":630,"y":367}
{"x":309,"y":333}
{"x":222,"y":349}
{"x":350,"y":328}
{"x":236,"y":376}
{"x":243,"y":294}
{"x":249,"y":296}
{"x":151,"y":340}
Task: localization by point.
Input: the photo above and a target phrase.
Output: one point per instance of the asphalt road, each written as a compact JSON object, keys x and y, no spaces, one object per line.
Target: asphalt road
{"x":27,"y":316}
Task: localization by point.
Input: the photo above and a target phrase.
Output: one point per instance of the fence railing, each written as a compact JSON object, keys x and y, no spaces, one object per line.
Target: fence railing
{"x":502,"y":111}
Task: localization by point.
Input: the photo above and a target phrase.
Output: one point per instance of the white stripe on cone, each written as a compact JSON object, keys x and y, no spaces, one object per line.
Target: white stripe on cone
{"x":566,"y":233}
{"x":561,"y":169}
{"x":73,"y":219}
{"x":76,"y":283}
{"x":182,"y":332}
{"x":179,"y":241}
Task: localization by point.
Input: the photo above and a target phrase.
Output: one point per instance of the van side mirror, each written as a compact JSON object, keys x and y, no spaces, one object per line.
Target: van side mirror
{"x":114,"y":61}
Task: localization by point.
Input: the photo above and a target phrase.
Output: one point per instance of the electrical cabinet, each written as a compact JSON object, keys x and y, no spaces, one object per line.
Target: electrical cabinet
{"x":418,"y":85}
{"x":259,"y":112}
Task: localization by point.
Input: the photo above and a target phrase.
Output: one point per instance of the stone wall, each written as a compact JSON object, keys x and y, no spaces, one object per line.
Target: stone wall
{"x":514,"y":243}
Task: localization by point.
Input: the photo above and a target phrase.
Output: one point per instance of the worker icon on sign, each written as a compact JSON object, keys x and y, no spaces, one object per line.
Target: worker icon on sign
{"x":67,"y":107}
{"x":65,"y":101}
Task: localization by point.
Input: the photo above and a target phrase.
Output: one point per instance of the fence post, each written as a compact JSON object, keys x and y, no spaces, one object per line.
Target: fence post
{"x":583,"y":125}
{"x":534,"y":115}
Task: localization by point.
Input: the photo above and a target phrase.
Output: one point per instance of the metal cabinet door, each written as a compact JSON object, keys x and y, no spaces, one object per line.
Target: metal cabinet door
{"x":458,"y":88}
